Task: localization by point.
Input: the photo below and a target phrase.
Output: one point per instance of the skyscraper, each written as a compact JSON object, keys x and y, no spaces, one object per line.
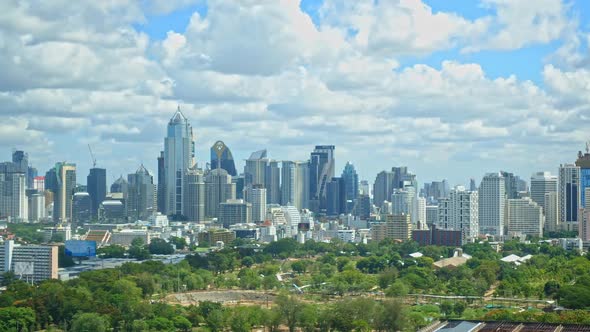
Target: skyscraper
{"x":140,"y":198}
{"x":321,"y":171}
{"x":256,"y":195}
{"x":295,"y":184}
{"x":194,"y":195}
{"x":460,"y":212}
{"x":542,"y":183}
{"x":96,"y":181}
{"x":569,"y":199}
{"x":234,"y":211}
{"x":179,"y":156}
{"x":66,"y":182}
{"x":383,"y":187}
{"x":351,"y":185}
{"x":510,"y":185}
{"x":551,"y":212}
{"x":336,"y":197}
{"x":492,"y":199}
{"x":272,"y":182}
{"x":218,"y":189}
{"x":81,"y":208}
{"x":255,"y":168}
{"x":583,"y":162}
{"x":161,"y":196}
{"x":13,"y":199}
{"x":524,"y":217}
{"x":221,"y":157}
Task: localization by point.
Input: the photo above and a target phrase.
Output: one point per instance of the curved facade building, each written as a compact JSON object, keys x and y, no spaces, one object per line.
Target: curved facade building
{"x":221,"y":157}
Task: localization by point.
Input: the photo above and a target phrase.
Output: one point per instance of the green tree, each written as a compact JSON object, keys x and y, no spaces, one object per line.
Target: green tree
{"x":181,"y":323}
{"x":290,"y":309}
{"x":16,"y":319}
{"x":160,"y":247}
{"x":90,"y":322}
{"x":160,"y":324}
{"x":398,"y":288}
{"x":112,"y":251}
{"x":179,"y":242}
{"x":138,"y":250}
{"x":391,"y":316}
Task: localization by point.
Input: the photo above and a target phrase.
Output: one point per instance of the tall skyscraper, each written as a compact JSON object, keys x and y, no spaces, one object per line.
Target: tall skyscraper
{"x":141,"y":203}
{"x":62,"y":199}
{"x":542,"y":183}
{"x":272,"y":182}
{"x":364,"y":188}
{"x":295,"y":184}
{"x":81,"y":208}
{"x":321,"y":171}
{"x":551,"y":212}
{"x":21,"y":161}
{"x":405,"y":201}
{"x":96,"y":182}
{"x":460,"y":212}
{"x":13,"y":199}
{"x":336,"y":197}
{"x":179,"y":156}
{"x":583,"y":162}
{"x":351,"y":185}
{"x":194,"y":195}
{"x":218,"y":189}
{"x":221,"y":157}
{"x":492,"y":200}
{"x":256,"y":195}
{"x":255,"y":168}
{"x":120,"y":186}
{"x":472,"y":185}
{"x":510,"y":185}
{"x":524,"y":217}
{"x":234,"y":211}
{"x":161,"y":196}
{"x":383,"y":187}
{"x":569,"y":199}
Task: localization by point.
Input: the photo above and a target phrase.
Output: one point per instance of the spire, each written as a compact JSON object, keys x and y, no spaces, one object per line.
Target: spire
{"x":178,"y":117}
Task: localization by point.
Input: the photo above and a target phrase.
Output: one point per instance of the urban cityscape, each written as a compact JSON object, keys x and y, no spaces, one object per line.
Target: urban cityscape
{"x":295,"y":165}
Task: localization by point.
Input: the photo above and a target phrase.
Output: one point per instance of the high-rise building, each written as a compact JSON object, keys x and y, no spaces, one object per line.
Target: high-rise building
{"x":62,"y":199}
{"x":39,"y":183}
{"x":362,"y":208}
{"x":36,"y":206}
{"x":13,"y":199}
{"x":383,"y":187}
{"x":234,"y":211}
{"x":294,"y":186}
{"x":96,"y":181}
{"x":161,"y":196}
{"x":460,"y":212}
{"x":551,"y":212}
{"x":255,"y":169}
{"x":364,"y":188}
{"x":32,"y":263}
{"x":256,"y":195}
{"x":50,"y":181}
{"x":569,"y":199}
{"x":351,"y":185}
{"x":81,"y":208}
{"x":179,"y":156}
{"x":239,"y":181}
{"x":492,"y":200}
{"x":221,"y":157}
{"x":21,"y":161}
{"x":120,"y":186}
{"x":431,"y":215}
{"x":321,"y":171}
{"x":336,"y":197}
{"x":542,"y":183}
{"x":141,"y":202}
{"x":583,"y":162}
{"x":421,"y":206}
{"x":436,"y":190}
{"x":218,"y":189}
{"x":272,"y":182}
{"x":472,"y":185}
{"x":292,"y":220}
{"x":524,"y":217}
{"x":510,"y":185}
{"x":395,"y":227}
{"x":194,"y":195}
{"x":584,"y":226}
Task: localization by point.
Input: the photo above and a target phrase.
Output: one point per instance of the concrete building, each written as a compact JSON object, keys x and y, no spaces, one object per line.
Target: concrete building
{"x":431,"y":215}
{"x":551,"y":212}
{"x":213,"y":236}
{"x":460,"y":212}
{"x":295,"y":184}
{"x":81,"y":208}
{"x":13,"y":198}
{"x":524,"y":217}
{"x":194,"y":195}
{"x":218,"y":189}
{"x":321,"y":171}
{"x":335,"y":197}
{"x":125,"y":237}
{"x":179,"y":156}
{"x":256,"y":195}
{"x":272,"y":182}
{"x":36,"y":206}
{"x":292,"y":218}
{"x":234,"y":211}
{"x":141,"y":196}
{"x":542,"y":183}
{"x":438,"y":237}
{"x":62,"y":198}
{"x":584,"y":226}
{"x":96,"y":181}
{"x":569,"y":199}
{"x":61,"y":232}
{"x":492,"y":200}
{"x":111,"y":211}
{"x":405,"y":201}
{"x":31,"y":263}
{"x":395,"y":227}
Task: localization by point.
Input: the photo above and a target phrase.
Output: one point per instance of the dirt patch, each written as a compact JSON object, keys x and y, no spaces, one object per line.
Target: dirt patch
{"x":225,"y":297}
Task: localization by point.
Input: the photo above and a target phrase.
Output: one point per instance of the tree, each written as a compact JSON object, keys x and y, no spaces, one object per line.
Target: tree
{"x":459,"y":308}
{"x":391,"y":316}
{"x":90,"y":322}
{"x":178,"y":242}
{"x":446,"y":308}
{"x":398,"y":288}
{"x":290,"y":309}
{"x":160,"y":324}
{"x":551,"y":288}
{"x":299,"y":266}
{"x":16,"y":319}
{"x":160,"y":247}
{"x":112,"y":251}
{"x":286,"y":247}
{"x":138,"y":250}
{"x":182,"y":323}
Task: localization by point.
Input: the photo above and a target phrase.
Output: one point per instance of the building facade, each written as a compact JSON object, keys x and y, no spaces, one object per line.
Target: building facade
{"x":62,"y":198}
{"x":194,"y":195}
{"x":395,"y":227}
{"x":96,"y":183}
{"x":524,"y":217}
{"x":294,"y":184}
{"x":569,"y":199}
{"x":492,"y":200}
{"x":460,"y":212}
{"x":234,"y":211}
{"x":321,"y":171}
{"x":31,"y":263}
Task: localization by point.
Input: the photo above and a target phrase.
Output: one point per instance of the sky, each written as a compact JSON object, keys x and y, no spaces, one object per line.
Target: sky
{"x":451,"y":89}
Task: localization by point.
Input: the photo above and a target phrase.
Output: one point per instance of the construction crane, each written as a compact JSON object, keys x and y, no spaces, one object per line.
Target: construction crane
{"x":92,"y":156}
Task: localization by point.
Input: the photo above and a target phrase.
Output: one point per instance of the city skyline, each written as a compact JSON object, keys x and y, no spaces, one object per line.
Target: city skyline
{"x":499,"y":86}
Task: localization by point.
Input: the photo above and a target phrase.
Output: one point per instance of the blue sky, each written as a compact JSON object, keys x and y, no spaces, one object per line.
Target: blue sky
{"x":452,"y":89}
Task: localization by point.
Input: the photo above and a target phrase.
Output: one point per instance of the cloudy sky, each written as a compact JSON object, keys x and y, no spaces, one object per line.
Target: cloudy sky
{"x":452,"y":89}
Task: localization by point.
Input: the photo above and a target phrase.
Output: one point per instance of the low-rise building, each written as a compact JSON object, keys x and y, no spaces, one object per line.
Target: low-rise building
{"x":214,"y":235}
{"x":31,"y":263}
{"x":396,"y":227}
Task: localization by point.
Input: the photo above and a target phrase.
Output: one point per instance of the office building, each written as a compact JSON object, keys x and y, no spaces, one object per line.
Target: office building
{"x":194,"y":195}
{"x":395,"y":227}
{"x":81,"y":208}
{"x":62,"y":199}
{"x":218,"y":189}
{"x":321,"y":171}
{"x":510,"y":185}
{"x":438,"y":237}
{"x":272,"y":182}
{"x":234,"y":211}
{"x":30,"y":263}
{"x":13,"y":198}
{"x":256,"y":195}
{"x":569,"y":199}
{"x":421,"y":207}
{"x":141,"y":200}
{"x":255,"y":169}
{"x":492,"y":200}
{"x":213,"y":236}
{"x":551,"y":209}
{"x":364,"y":188}
{"x":120,"y":186}
{"x":524,"y":217}
{"x":39,"y":183}
{"x":239,"y":182}
{"x":179,"y":156}
{"x":96,"y":183}
{"x":292,"y":220}
{"x":584,"y":225}
{"x":36,"y":206}
{"x":387,"y":181}
{"x":460,"y":212}
{"x":583,"y":162}
{"x":431,"y":215}
{"x":472,"y":185}
{"x":295,"y":184}
{"x":351,"y":185}
{"x":362,"y":208}
{"x":161,"y":195}
{"x":221,"y":157}
{"x":336,"y":197}
{"x":436,"y":190}
{"x":542,"y":183}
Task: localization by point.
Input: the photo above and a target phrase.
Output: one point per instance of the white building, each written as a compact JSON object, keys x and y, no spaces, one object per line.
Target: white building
{"x":295,"y":184}
{"x":37,"y":211}
{"x":256,"y":195}
{"x":542,"y":183}
{"x":404,"y":201}
{"x":460,"y":212}
{"x":31,"y":263}
{"x":125,"y":237}
{"x":569,"y":196}
{"x":421,"y":213}
{"x":347,"y":235}
{"x":13,"y":199}
{"x":492,"y":200}
{"x":524,"y":217}
{"x":158,"y":220}
{"x":293,"y":218}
